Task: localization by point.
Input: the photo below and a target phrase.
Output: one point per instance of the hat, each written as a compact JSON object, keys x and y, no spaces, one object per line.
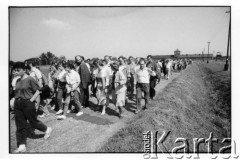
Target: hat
{"x":115,"y":66}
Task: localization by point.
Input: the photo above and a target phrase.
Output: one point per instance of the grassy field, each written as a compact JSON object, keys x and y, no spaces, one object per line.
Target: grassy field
{"x":190,"y":104}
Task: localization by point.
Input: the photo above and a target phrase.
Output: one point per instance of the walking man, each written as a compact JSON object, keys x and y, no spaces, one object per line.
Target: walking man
{"x":142,"y":77}
{"x":85,"y":77}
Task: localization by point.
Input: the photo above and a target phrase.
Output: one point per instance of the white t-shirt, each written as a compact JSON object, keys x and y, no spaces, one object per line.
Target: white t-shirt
{"x":62,"y":76}
{"x":169,"y":64}
{"x":14,"y":81}
{"x":73,"y":79}
{"x":37,"y":72}
{"x":106,"y":72}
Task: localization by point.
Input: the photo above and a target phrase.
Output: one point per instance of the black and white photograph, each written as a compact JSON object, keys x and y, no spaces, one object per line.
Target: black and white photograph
{"x":152,"y":80}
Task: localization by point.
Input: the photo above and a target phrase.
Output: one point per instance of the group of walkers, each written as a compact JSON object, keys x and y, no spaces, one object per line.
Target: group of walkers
{"x":69,"y":85}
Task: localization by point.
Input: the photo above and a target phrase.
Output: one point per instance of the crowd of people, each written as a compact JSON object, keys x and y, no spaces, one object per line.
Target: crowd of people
{"x":69,"y":84}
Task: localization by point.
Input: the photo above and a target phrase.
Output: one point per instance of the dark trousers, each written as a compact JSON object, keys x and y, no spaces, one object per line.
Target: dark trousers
{"x":152,"y":87}
{"x":142,"y":87}
{"x":60,"y":95}
{"x":131,"y":82}
{"x":94,"y":89}
{"x":76,"y":101}
{"x":25,"y":110}
{"x":84,"y":96}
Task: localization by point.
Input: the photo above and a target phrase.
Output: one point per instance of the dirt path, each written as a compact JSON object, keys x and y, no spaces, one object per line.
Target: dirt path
{"x":86,"y":133}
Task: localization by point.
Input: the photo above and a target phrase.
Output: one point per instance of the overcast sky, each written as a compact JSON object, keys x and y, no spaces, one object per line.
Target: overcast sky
{"x":99,"y":31}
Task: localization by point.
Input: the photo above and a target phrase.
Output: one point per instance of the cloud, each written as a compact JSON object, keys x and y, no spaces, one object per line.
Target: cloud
{"x":56,"y":24}
{"x":107,"y":12}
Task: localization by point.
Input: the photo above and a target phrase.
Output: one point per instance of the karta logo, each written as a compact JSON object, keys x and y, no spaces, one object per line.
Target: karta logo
{"x":154,"y":145}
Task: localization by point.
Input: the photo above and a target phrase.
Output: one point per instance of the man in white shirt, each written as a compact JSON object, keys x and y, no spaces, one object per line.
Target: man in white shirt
{"x":142,"y":80}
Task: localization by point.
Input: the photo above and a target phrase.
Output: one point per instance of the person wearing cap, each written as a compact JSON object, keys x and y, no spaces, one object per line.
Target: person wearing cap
{"x":141,"y":80}
{"x":118,"y":88}
{"x":25,"y":107}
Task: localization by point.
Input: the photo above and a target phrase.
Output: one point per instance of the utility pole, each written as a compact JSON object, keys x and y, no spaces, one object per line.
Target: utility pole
{"x":208,"y":51}
{"x":229,"y":42}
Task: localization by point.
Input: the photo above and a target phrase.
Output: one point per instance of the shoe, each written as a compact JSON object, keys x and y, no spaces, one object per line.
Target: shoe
{"x":59,"y":112}
{"x":120,"y":110}
{"x":79,"y":114}
{"x":97,"y":109}
{"x":69,"y":111}
{"x":73,"y":107}
{"x":21,"y":148}
{"x":43,"y":115}
{"x":120,"y":116}
{"x":53,"y":107}
{"x":48,"y":133}
{"x":103,"y":112}
{"x":137,"y":111}
{"x":61,"y":117}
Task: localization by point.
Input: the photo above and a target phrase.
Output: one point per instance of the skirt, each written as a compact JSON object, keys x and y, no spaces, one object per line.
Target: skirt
{"x":101,"y":95}
{"x":119,"y":99}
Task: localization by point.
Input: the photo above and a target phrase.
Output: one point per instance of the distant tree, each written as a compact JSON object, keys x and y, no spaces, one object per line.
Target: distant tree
{"x":34,"y":61}
{"x":62,"y":58}
{"x":51,"y":57}
{"x":44,"y":59}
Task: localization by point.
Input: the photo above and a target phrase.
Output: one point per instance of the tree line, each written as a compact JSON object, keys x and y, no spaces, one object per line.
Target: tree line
{"x":44,"y":59}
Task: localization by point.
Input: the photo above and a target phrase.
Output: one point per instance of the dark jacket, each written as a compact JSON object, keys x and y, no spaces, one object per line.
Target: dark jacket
{"x":155,"y":69}
{"x":85,"y":75}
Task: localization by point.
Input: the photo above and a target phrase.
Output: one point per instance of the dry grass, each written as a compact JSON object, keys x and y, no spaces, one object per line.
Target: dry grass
{"x":187,"y":107}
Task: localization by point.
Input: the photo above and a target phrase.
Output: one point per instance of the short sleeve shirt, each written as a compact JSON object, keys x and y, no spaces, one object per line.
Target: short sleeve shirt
{"x":26,"y":88}
{"x":37,"y":72}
